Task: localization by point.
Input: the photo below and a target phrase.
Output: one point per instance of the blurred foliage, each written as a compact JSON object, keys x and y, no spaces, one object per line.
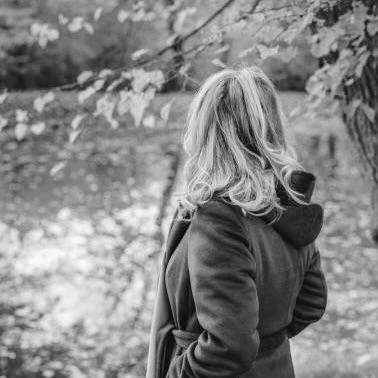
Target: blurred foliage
{"x":78,"y":249}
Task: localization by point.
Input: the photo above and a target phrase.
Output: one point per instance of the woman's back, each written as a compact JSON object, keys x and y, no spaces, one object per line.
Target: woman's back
{"x":272,"y":290}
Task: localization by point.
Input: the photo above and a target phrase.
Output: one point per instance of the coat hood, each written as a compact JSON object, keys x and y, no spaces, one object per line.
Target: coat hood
{"x":299,"y":224}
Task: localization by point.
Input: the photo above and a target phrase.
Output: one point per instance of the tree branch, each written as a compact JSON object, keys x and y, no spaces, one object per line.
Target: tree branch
{"x":160,"y":52}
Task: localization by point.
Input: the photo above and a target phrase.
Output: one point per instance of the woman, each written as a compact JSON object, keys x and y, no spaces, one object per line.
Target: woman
{"x":241,"y":273}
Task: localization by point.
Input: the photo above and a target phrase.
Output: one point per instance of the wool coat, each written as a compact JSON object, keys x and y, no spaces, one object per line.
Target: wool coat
{"x":231,"y":292}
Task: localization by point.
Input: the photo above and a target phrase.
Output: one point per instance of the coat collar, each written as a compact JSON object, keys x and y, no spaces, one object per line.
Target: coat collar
{"x":298,"y":224}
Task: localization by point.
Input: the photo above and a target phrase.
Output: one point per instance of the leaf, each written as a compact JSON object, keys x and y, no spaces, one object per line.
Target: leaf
{"x":77,"y":121}
{"x":265,"y":51}
{"x":97,"y":14}
{"x":139,"y":53}
{"x":372,"y":27}
{"x":57,"y":168}
{"x":74,"y":134}
{"x":84,"y":76}
{"x":223,"y":49}
{"x":180,"y":18}
{"x":88,"y":28}
{"x":20,"y":130}
{"x":40,"y":102}
{"x":352,"y":108}
{"x":104,"y":73}
{"x":287,"y":54}
{"x":149,"y":121}
{"x":3,"y":97}
{"x":3,"y":122}
{"x":165,"y":111}
{"x":123,"y":15}
{"x":105,"y":106}
{"x":219,"y":63}
{"x":21,"y":115}
{"x":361,"y":63}
{"x":38,"y":128}
{"x":245,"y":52}
{"x":76,"y":24}
{"x":85,"y":94}
{"x":113,"y":122}
{"x":369,"y":112}
{"x":184,"y":69}
{"x":138,"y":104}
{"x":63,"y":20}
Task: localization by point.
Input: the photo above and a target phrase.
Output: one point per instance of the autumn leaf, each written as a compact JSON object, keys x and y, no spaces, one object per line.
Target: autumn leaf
{"x":77,"y":121}
{"x":138,"y":54}
{"x":149,"y":121}
{"x":165,"y":111}
{"x":3,"y":122}
{"x":265,"y":51}
{"x":20,"y":130}
{"x":76,"y":24}
{"x":369,"y":112}
{"x":40,"y":102}
{"x":3,"y":97}
{"x":57,"y":168}
{"x":21,"y":115}
{"x":38,"y":128}
{"x":123,"y":15}
{"x":219,"y":63}
{"x":97,"y":14}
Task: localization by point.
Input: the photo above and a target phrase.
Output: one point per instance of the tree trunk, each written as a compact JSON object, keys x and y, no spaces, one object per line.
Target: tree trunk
{"x":359,"y":99}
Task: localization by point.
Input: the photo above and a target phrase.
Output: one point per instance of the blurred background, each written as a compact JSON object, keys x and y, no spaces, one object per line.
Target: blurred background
{"x":93,"y":99}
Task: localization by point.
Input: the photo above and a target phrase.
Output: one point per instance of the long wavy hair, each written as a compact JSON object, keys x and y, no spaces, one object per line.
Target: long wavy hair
{"x":237,"y":144}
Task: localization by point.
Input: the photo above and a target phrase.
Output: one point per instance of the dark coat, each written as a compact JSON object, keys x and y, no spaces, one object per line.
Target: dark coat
{"x":231,"y":292}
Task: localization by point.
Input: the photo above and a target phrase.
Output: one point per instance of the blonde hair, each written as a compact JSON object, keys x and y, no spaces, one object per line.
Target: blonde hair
{"x":237,"y":144}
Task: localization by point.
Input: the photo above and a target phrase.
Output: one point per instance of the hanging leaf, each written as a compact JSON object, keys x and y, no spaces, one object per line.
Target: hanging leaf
{"x":74,"y":134}
{"x":123,"y":15}
{"x":266,"y":52}
{"x":245,"y":52}
{"x":20,"y":130}
{"x":149,"y":121}
{"x":85,"y":94}
{"x":3,"y":97}
{"x":76,"y":24}
{"x":219,"y":63}
{"x":57,"y":168}
{"x":38,"y":128}
{"x":105,"y":106}
{"x":351,"y":110}
{"x":184,"y":69}
{"x":223,"y":49}
{"x":40,"y":102}
{"x":104,"y":73}
{"x":97,"y":14}
{"x":361,"y":63}
{"x":138,"y":54}
{"x":369,"y":112}
{"x":165,"y":111}
{"x":88,"y":28}
{"x":180,"y":18}
{"x":63,"y":20}
{"x":21,"y":115}
{"x":84,"y":76}
{"x":113,"y":122}
{"x":77,"y":121}
{"x":3,"y":122}
{"x":138,"y":104}
{"x":287,"y":54}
